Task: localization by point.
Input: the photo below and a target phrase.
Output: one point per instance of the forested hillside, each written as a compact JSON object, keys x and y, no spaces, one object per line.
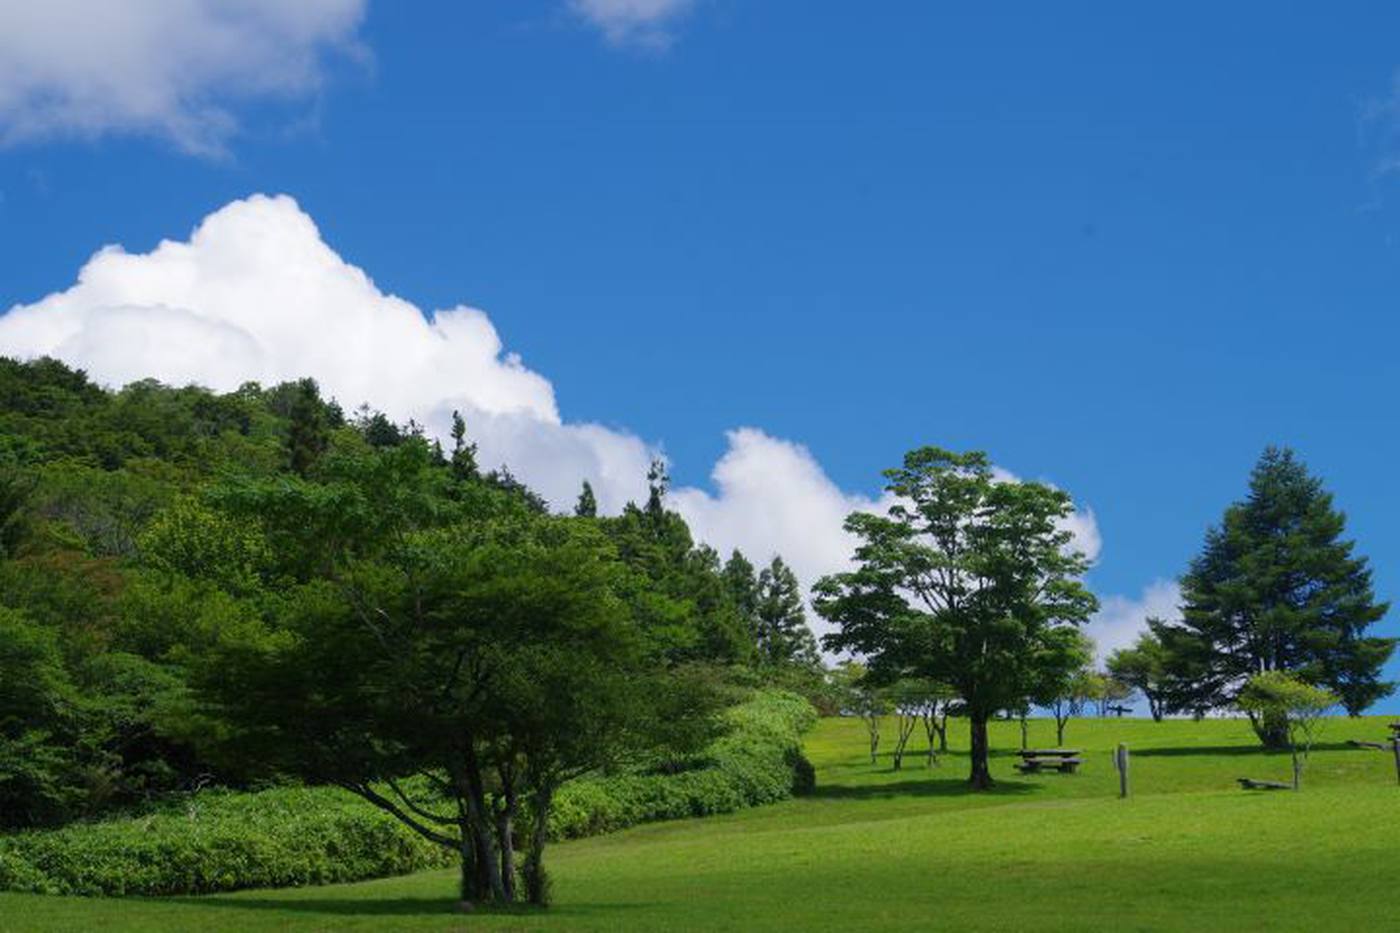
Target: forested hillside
{"x":155,"y":540}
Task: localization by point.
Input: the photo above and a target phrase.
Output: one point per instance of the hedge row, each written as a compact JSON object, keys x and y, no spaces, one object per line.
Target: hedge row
{"x":758,"y":761}
{"x":223,"y":841}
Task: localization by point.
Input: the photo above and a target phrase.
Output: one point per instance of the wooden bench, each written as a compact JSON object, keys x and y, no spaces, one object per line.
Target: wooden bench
{"x":1251,"y":784}
{"x":1035,"y":760}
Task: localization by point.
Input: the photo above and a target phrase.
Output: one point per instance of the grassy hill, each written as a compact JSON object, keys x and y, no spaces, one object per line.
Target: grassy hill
{"x":874,"y":849}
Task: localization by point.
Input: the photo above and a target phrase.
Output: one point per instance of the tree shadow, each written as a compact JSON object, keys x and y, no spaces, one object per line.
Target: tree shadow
{"x":389,"y":907}
{"x":1234,"y":750}
{"x":920,"y":787}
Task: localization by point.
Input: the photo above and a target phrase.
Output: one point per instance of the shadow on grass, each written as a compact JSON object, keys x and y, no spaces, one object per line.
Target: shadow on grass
{"x":919,"y":787}
{"x":1236,"y":750}
{"x":388,"y":907}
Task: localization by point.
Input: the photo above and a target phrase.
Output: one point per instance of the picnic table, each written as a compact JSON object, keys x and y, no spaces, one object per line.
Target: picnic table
{"x":1035,"y":760}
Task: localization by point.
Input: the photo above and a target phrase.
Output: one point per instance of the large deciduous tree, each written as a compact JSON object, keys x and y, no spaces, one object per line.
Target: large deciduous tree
{"x":1276,"y":587}
{"x":452,"y":665}
{"x":968,"y":580}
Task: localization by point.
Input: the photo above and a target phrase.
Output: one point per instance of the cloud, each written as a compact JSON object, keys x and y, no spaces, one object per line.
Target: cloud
{"x":1121,"y":619}
{"x":645,"y":23}
{"x":169,"y":68}
{"x":256,"y":294}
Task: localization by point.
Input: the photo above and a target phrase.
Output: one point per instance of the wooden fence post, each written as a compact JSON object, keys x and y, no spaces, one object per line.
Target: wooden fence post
{"x":1120,"y":760}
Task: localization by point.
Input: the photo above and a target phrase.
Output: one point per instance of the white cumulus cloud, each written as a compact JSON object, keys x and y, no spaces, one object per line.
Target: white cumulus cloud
{"x":648,"y":23}
{"x":169,"y":68}
{"x":1121,"y":619}
{"x":254,"y":293}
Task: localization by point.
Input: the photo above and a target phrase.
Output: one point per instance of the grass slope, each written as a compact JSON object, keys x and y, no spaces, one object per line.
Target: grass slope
{"x":879,"y":850}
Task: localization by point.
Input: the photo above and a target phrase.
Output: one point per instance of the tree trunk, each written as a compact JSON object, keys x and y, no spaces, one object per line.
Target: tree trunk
{"x":536,"y":879}
{"x":943,"y":733}
{"x":1025,"y":733}
{"x":1297,"y":769}
{"x":1271,"y":728}
{"x":488,"y":866}
{"x":1060,"y":731}
{"x":471,"y":892}
{"x":981,"y":776}
{"x":1154,"y":706}
{"x":505,"y":830}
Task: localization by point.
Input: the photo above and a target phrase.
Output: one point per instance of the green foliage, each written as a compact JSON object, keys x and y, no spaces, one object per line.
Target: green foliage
{"x":222,"y":841}
{"x":1143,"y":667}
{"x":1277,"y":588}
{"x":1279,"y":697}
{"x":218,"y":841}
{"x":587,"y":505}
{"x":968,"y":581}
{"x":783,"y":638}
{"x":38,"y":774}
{"x":757,"y":760}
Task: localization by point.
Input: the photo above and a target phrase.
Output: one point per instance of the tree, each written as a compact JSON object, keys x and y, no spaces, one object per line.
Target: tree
{"x":1113,"y":693}
{"x":463,"y":458}
{"x":1065,"y":684}
{"x":783,"y":638}
{"x":1143,"y":667}
{"x":39,"y":778}
{"x":1277,"y":696}
{"x":1277,"y":588}
{"x":937,"y":703}
{"x":919,"y":702}
{"x":490,"y":656}
{"x":967,"y":580}
{"x":587,"y":505}
{"x":864,"y":699}
{"x":308,"y":433}
{"x":741,"y":580}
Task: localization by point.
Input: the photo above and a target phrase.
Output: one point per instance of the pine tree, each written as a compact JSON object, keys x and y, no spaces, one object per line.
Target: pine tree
{"x":741,"y":580}
{"x":587,"y":506}
{"x":463,"y":454}
{"x":307,"y":434}
{"x":783,"y":635}
{"x":1276,"y":588}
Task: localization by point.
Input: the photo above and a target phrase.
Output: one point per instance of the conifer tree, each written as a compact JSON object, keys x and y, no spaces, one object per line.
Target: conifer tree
{"x":463,"y":454}
{"x":307,"y":433}
{"x":783,"y":635}
{"x":587,"y":505}
{"x":1277,"y":588}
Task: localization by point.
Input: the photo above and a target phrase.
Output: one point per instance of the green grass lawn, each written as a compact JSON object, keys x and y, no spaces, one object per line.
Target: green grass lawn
{"x":875,"y":849}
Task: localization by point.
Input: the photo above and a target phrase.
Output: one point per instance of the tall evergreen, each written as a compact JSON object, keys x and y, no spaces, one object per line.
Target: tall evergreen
{"x":587,"y":505}
{"x":741,"y":580}
{"x":463,"y":454}
{"x":308,"y":433}
{"x":783,"y":635}
{"x":1277,"y":588}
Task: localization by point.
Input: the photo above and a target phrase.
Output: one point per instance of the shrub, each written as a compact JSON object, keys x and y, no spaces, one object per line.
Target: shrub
{"x":757,"y":761}
{"x":224,"y":840}
{"x":218,"y":842}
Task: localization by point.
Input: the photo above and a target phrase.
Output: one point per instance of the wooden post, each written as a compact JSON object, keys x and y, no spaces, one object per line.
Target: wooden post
{"x":1120,"y":761}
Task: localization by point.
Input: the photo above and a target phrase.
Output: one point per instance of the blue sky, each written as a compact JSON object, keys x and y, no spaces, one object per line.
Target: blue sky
{"x":1121,"y":249}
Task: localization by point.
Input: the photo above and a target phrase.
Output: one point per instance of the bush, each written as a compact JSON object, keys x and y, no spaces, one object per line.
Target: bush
{"x":757,"y":761}
{"x":223,"y":840}
{"x":219,"y":841}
